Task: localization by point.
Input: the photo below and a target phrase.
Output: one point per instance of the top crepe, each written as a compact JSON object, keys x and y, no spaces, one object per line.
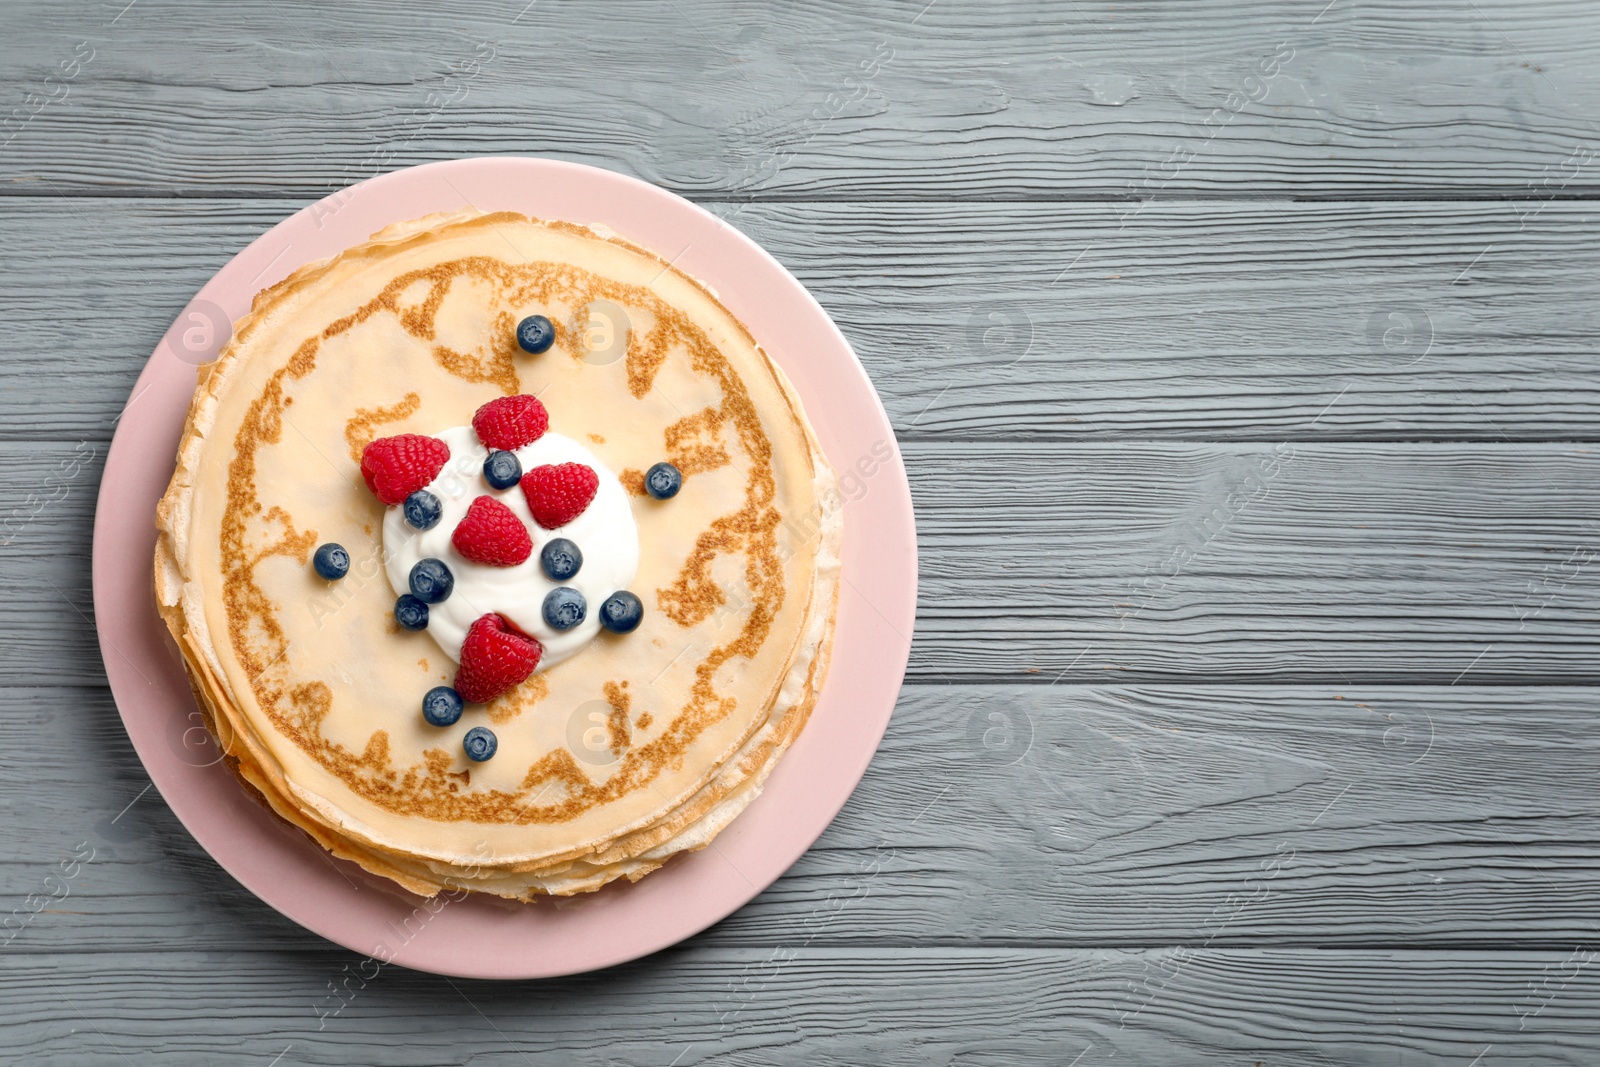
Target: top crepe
{"x":312,"y":691}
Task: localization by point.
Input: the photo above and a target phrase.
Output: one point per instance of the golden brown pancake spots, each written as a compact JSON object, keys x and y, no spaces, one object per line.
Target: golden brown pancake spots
{"x":646,"y":356}
{"x":495,"y":368}
{"x":643,"y":721}
{"x":296,"y":546}
{"x":597,"y":439}
{"x":418,"y":318}
{"x":438,"y":761}
{"x":302,"y":362}
{"x":617,"y":721}
{"x":694,"y":443}
{"x":362,"y":429}
{"x":632,"y":480}
{"x":509,"y":705}
{"x":376,"y":754}
{"x":313,"y":701}
{"x":694,"y":596}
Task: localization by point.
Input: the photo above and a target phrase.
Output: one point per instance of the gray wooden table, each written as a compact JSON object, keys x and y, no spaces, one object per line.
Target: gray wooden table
{"x":1244,"y":356}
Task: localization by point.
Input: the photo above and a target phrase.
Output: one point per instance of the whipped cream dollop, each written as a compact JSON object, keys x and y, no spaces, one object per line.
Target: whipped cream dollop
{"x":605,"y":533}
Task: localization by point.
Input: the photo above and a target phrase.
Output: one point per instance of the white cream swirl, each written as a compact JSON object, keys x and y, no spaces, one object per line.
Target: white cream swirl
{"x":605,"y":533}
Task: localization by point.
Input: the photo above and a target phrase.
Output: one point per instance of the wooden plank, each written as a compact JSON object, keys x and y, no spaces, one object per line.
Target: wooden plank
{"x":1196,"y":321}
{"x":1212,"y":321}
{"x":1063,"y":816}
{"x":47,"y":497}
{"x":982,"y":1006}
{"x":1283,"y":563}
{"x":965,"y":98}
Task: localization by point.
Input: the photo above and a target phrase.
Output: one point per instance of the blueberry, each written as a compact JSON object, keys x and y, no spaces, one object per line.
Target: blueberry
{"x":431,"y":580}
{"x":663,"y":481}
{"x":411,"y":612}
{"x":621,"y":612}
{"x":564,"y":607}
{"x":480,"y":744}
{"x":561,"y":559}
{"x":441,"y":706}
{"x":331,"y":561}
{"x":422,"y":510}
{"x":502,"y":470}
{"x":536,"y":334}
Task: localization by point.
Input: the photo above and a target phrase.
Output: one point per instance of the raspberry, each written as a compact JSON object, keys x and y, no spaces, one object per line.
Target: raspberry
{"x":494,"y":658}
{"x":557,"y":493}
{"x":509,"y":422}
{"x":396,"y":467}
{"x":491,"y":533}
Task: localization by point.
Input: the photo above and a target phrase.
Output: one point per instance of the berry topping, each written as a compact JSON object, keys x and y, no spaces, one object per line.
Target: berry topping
{"x":333,"y":562}
{"x":663,"y":481}
{"x":502,"y":469}
{"x":396,"y":467}
{"x":431,"y":580}
{"x":480,"y":743}
{"x":536,"y":334}
{"x":509,"y":422}
{"x":560,"y":558}
{"x":441,"y":706}
{"x":410,"y":612}
{"x":422,"y":510}
{"x":559,"y":492}
{"x":564,"y":607}
{"x":494,"y":659}
{"x":491,"y":533}
{"x":621,"y":612}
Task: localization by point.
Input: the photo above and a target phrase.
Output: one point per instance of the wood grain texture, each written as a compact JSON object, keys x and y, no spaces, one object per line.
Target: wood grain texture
{"x":804,"y":1004}
{"x":1030,"y":321}
{"x":1285,"y":562}
{"x":965,"y":99}
{"x":1250,"y":421}
{"x":1069,"y":816}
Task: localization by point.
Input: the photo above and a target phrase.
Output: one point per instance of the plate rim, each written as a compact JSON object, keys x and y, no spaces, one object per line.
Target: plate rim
{"x":890,"y":490}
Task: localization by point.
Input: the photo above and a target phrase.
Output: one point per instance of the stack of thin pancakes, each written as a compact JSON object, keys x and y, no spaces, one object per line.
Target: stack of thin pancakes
{"x":638,"y":747}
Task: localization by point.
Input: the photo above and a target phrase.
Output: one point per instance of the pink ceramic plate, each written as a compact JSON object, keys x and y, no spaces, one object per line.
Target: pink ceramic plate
{"x":475,"y":937}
